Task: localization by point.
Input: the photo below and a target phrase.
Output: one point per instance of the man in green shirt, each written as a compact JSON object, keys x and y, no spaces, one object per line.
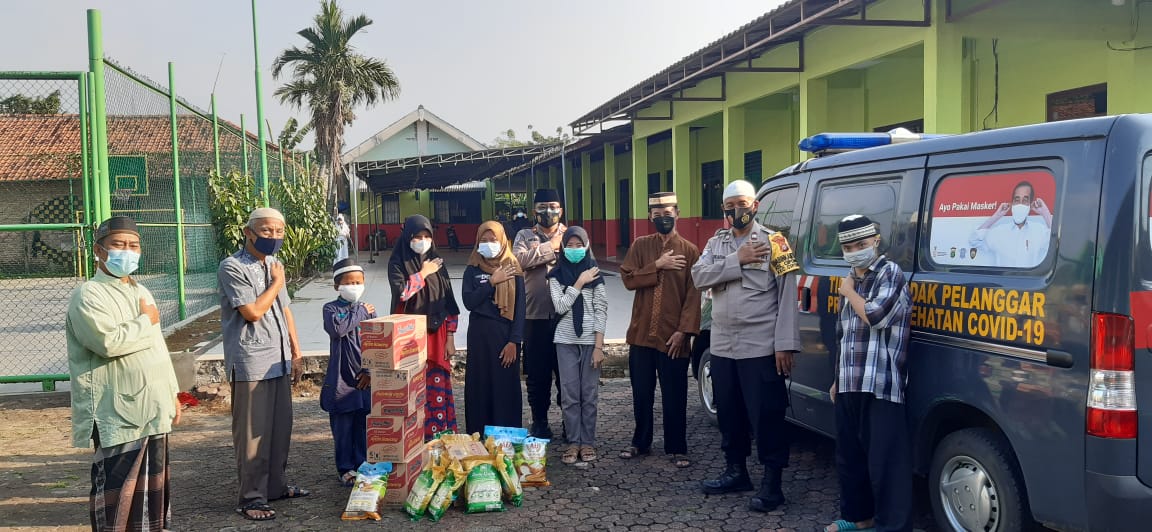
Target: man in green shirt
{"x":123,"y":386}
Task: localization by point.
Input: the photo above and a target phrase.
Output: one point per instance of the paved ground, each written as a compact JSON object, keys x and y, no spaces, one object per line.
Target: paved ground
{"x":44,"y":482}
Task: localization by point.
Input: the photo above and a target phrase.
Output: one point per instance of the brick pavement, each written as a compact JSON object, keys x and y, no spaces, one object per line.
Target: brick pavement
{"x":43,"y":482}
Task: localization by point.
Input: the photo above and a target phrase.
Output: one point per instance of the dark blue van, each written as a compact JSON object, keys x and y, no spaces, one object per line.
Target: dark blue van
{"x":1030,"y":261}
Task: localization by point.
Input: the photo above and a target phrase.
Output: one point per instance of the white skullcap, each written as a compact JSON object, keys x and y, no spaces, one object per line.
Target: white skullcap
{"x":265,"y":212}
{"x":739,"y":189}
{"x":339,"y":217}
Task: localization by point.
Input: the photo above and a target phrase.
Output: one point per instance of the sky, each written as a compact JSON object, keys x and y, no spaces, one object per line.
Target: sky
{"x":484,"y":66}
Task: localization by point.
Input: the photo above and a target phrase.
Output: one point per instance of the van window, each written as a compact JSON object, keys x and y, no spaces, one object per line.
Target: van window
{"x":998,"y":220}
{"x":776,"y":209}
{"x":874,"y":199}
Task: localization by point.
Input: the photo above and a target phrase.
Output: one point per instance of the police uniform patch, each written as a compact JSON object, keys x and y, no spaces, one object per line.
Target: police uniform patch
{"x":783,"y":260}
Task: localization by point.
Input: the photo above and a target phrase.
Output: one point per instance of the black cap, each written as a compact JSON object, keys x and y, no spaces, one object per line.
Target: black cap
{"x":546,"y":195}
{"x":115,"y":225}
{"x":856,"y":227}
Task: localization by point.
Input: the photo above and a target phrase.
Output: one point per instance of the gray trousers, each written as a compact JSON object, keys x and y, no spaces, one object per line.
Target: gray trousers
{"x":579,"y":388}
{"x":261,"y":433}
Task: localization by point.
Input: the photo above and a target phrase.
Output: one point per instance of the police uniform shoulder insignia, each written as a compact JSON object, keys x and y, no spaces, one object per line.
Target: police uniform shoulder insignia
{"x":783,"y":259}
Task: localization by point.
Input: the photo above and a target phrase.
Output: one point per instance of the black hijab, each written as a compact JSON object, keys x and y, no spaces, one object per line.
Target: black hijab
{"x":436,"y":300}
{"x":566,"y":274}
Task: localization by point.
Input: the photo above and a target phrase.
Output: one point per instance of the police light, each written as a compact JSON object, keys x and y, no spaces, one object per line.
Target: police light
{"x":836,"y":142}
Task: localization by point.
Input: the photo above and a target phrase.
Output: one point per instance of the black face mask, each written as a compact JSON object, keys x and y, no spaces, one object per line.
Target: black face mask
{"x":664,"y":224}
{"x":739,"y":218}
{"x":547,"y":219}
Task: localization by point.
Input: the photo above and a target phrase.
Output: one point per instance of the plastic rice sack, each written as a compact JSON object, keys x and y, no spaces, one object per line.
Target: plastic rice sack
{"x":371,"y":484}
{"x":509,"y":479}
{"x":446,"y":493}
{"x":509,"y":439}
{"x":423,"y":490}
{"x":532,"y":461}
{"x":482,"y":491}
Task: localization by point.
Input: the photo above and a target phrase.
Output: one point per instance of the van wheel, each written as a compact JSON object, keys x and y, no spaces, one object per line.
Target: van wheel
{"x":707,"y":397}
{"x":974,"y":484}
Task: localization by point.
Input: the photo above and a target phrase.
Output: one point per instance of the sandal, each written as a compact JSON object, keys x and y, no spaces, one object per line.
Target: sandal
{"x":348,"y":479}
{"x":633,"y":452}
{"x":571,"y":455}
{"x":245,"y":511}
{"x":681,"y":461}
{"x":294,"y":492}
{"x":588,"y":454}
{"x":843,"y":525}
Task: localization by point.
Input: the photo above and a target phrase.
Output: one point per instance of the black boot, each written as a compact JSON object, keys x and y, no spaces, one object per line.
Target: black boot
{"x":770,"y":495}
{"x":733,"y":479}
{"x":540,"y":429}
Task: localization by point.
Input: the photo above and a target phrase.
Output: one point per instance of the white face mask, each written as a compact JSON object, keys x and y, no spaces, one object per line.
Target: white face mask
{"x":489,"y":250}
{"x":862,"y":258}
{"x":421,"y":246}
{"x":351,"y":292}
{"x":1020,"y":213}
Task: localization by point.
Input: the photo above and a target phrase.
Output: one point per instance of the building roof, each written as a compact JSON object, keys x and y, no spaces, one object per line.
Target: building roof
{"x":438,"y":171}
{"x":420,"y":114}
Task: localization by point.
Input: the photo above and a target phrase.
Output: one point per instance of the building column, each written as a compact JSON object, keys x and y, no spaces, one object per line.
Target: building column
{"x":488,"y":204}
{"x":611,"y":209}
{"x":733,"y":144}
{"x":1130,"y":76}
{"x":640,"y":225}
{"x":687,"y":189}
{"x":586,"y":192}
{"x":813,"y":109}
{"x":943,"y":78}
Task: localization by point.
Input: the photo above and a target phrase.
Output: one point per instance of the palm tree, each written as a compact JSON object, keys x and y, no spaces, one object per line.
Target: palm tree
{"x":332,"y":79}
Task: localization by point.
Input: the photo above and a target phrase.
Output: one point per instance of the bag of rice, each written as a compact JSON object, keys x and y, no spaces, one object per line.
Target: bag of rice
{"x":422,"y":491}
{"x":509,"y":479}
{"x":507,"y":438}
{"x":371,"y":483}
{"x":482,"y":491}
{"x":446,"y":493}
{"x":532,"y":461}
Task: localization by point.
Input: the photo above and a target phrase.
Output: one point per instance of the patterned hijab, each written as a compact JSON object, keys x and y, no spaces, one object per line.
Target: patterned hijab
{"x":505,"y":292}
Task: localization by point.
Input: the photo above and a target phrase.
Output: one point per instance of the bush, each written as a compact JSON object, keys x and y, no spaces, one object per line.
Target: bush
{"x":233,"y":197}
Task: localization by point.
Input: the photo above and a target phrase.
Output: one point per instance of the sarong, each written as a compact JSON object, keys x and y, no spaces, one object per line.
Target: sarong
{"x":130,"y":486}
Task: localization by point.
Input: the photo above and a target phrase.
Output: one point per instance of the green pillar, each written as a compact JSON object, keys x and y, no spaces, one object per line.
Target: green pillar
{"x":280,"y":153}
{"x":687,"y":189}
{"x":813,"y":108}
{"x":734,"y":119}
{"x":611,"y":207}
{"x":585,"y":187}
{"x":944,"y":78}
{"x":570,"y":182}
{"x":260,"y":112}
{"x":99,"y":115}
{"x":488,"y":206}
{"x":639,"y":187}
{"x":178,"y":205}
{"x":244,"y":146}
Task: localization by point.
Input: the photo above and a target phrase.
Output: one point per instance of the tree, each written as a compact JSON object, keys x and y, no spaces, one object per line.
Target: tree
{"x":332,"y":80}
{"x":508,"y":138}
{"x":292,"y":134}
{"x":31,"y":105}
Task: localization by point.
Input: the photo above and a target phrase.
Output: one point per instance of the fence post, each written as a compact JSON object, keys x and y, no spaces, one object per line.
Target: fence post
{"x":307,"y":167}
{"x":85,"y":233}
{"x":260,"y":112}
{"x":280,"y":152}
{"x":99,"y":114}
{"x":215,"y":134}
{"x":244,"y":145}
{"x":176,"y":191}
{"x":294,"y":163}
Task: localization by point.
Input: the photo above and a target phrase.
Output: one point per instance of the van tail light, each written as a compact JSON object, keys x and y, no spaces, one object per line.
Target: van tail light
{"x":1112,"y":381}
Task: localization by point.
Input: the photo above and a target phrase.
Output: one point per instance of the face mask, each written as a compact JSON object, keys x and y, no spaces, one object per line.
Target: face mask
{"x":575,"y":255}
{"x":862,"y":258}
{"x":121,"y":262}
{"x":268,"y":246}
{"x":664,"y":224}
{"x":489,"y":250}
{"x":351,"y":292}
{"x":548,"y":218}
{"x":740,"y":218}
{"x":1020,"y":213}
{"x":421,"y":246}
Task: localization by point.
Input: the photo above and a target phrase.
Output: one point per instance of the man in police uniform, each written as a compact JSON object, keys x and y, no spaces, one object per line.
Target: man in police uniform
{"x":750,"y":270}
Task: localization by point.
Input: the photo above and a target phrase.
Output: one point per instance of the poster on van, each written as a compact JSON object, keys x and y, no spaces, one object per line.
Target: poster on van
{"x":999,"y":220}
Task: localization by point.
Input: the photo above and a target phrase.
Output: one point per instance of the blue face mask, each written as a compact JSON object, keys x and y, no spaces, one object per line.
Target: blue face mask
{"x":121,"y":262}
{"x":268,"y":246}
{"x":575,"y":255}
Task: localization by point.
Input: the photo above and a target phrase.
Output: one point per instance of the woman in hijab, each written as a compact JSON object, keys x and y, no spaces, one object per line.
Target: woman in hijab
{"x":420,"y":285}
{"x":581,"y":301}
{"x":493,"y":290}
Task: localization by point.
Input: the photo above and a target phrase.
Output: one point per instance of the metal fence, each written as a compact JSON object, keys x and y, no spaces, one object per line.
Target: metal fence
{"x":158,"y":151}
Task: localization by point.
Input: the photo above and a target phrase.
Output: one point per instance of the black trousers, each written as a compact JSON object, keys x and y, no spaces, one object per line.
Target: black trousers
{"x":646,"y":367}
{"x":540,"y":366}
{"x":750,"y":394}
{"x":873,"y":461}
{"x":491,"y":391}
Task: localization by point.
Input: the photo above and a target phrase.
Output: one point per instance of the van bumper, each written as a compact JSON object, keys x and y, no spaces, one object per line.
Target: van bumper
{"x":1117,"y":502}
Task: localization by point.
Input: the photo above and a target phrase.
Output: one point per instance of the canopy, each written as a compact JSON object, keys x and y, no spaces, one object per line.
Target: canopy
{"x":439,"y":171}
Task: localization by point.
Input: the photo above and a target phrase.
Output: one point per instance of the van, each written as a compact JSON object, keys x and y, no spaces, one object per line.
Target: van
{"x":1030,"y":263}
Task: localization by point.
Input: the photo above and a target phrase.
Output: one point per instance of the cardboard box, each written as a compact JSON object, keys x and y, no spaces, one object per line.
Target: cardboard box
{"x":394,"y":342}
{"x":395,"y":438}
{"x":398,"y":392}
{"x":401,"y":480}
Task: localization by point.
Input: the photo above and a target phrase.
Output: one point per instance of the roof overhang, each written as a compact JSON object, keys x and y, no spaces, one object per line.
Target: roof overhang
{"x":734,"y":53}
{"x":433,"y":172}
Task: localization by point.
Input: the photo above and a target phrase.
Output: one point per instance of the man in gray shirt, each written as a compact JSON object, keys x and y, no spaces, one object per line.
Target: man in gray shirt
{"x":750,"y":270}
{"x":261,"y":358}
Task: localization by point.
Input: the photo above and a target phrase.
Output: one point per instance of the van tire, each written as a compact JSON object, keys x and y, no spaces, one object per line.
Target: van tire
{"x":704,"y":387}
{"x":978,"y":462}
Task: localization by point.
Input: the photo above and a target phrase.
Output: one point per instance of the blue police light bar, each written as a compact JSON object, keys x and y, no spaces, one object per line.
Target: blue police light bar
{"x":834,"y":142}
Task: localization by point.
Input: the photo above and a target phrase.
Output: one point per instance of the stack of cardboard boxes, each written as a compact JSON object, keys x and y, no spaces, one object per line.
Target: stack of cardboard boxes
{"x":395,"y":350}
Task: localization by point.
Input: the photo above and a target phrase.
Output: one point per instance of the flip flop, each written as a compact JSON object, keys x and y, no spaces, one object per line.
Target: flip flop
{"x":256,"y":507}
{"x":681,"y":461}
{"x":842,"y":525}
{"x":633,"y":452}
{"x":348,"y":479}
{"x":294,"y":492}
